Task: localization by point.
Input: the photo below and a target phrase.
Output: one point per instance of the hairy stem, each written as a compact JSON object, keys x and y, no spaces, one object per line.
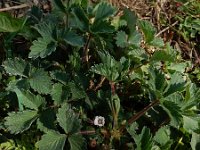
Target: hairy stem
{"x":86,"y":49}
{"x":140,"y":113}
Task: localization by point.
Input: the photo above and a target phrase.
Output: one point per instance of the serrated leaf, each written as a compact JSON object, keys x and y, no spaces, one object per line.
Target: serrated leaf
{"x":130,"y":18}
{"x":20,"y":121}
{"x":60,"y":76}
{"x":148,"y":30}
{"x":77,"y":91}
{"x":162,"y":136}
{"x":174,"y":112}
{"x":68,"y":120}
{"x":46,"y":121}
{"x":15,"y":66}
{"x":46,"y":30}
{"x":176,"y":84}
{"x":121,"y":39}
{"x":52,"y":141}
{"x":195,"y":141}
{"x":30,"y":100}
{"x":59,"y":4}
{"x":40,"y":81}
{"x":102,"y":27}
{"x":59,"y":93}
{"x":144,"y":140}
{"x":103,"y":11}
{"x":73,"y":39}
{"x":82,"y":22}
{"x":10,"y":24}
{"x":191,"y":123}
{"x":134,"y":39}
{"x":162,"y":55}
{"x":157,"y":42}
{"x":137,"y":55}
{"x":42,"y":47}
{"x":77,"y":142}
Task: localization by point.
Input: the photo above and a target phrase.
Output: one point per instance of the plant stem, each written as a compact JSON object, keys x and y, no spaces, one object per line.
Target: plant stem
{"x":140,"y":113}
{"x":86,"y":49}
{"x":100,"y":83}
{"x":87,"y":132}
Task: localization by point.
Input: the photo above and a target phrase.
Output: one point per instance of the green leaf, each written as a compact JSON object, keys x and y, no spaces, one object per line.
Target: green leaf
{"x":195,"y":141}
{"x":102,"y":27}
{"x":30,"y":100}
{"x":148,"y":30}
{"x":121,"y":39}
{"x":46,"y":121}
{"x":157,"y":42}
{"x":103,"y":11}
{"x":52,"y":141}
{"x":137,"y":55}
{"x":60,"y":5}
{"x":77,"y":91}
{"x":60,"y":93}
{"x":15,"y":66}
{"x":162,"y":136}
{"x":176,"y":84}
{"x":82,"y":22}
{"x":60,"y":76}
{"x":73,"y":39}
{"x":46,"y":30}
{"x":77,"y":142}
{"x":174,"y":112}
{"x":10,"y":24}
{"x":162,"y":55}
{"x":130,"y":18}
{"x":191,"y":123}
{"x":40,"y":81}
{"x":42,"y":47}
{"x":144,"y":140}
{"x":134,"y":39}
{"x":68,"y":120}
{"x":20,"y":121}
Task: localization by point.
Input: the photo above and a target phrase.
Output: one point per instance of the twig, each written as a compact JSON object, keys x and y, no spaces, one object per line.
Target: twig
{"x":140,"y":113}
{"x":100,"y":83}
{"x":167,"y":28}
{"x":14,"y":7}
{"x":87,"y":132}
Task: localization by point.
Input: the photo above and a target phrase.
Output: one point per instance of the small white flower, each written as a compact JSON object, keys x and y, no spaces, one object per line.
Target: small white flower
{"x":99,"y":121}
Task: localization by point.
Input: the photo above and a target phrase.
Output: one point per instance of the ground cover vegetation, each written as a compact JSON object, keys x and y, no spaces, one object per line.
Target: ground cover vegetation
{"x":82,"y":74}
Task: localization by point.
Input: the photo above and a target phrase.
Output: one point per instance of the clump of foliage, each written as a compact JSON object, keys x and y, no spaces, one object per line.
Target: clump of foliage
{"x":81,"y":61}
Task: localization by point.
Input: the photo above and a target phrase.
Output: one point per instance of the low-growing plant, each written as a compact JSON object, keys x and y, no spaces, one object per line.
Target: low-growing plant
{"x":85,"y":77}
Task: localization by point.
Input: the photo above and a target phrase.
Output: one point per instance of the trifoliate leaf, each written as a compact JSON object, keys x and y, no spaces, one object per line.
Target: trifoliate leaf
{"x":46,"y":121}
{"x":82,"y":22}
{"x":30,"y":100}
{"x":121,"y":39}
{"x":40,"y":81}
{"x":60,"y":93}
{"x":195,"y":141}
{"x":68,"y":120}
{"x":148,"y":30}
{"x":77,"y":142}
{"x":42,"y":47}
{"x":102,"y":27}
{"x":10,"y":24}
{"x":20,"y":121}
{"x":73,"y":39}
{"x":15,"y":66}
{"x":174,"y":112}
{"x":103,"y":11}
{"x":52,"y":141}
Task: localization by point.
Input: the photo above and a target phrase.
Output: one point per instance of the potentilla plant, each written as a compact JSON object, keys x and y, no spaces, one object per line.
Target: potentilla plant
{"x":92,"y":79}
